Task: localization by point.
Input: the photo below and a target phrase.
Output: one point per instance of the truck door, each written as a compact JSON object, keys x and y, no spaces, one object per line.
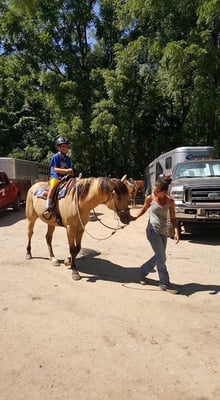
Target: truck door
{"x":7,"y":192}
{"x":3,"y":198}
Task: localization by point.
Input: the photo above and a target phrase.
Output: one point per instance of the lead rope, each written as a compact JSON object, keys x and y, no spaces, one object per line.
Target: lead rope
{"x":107,"y":226}
{"x":83,"y":226}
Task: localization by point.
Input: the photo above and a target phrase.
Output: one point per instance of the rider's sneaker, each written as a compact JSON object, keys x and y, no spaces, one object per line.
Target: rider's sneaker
{"x":169,"y":288}
{"x":47,"y":213}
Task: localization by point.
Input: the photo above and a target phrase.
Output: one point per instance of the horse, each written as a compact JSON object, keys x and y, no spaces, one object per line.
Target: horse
{"x":74,"y":208}
{"x":134,"y":187}
{"x":139,"y":185}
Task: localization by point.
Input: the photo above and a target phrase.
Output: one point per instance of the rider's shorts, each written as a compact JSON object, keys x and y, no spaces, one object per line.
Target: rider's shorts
{"x":54,"y":182}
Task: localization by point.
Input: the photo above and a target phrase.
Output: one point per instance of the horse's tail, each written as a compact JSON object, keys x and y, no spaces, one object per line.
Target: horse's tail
{"x":29,"y":206}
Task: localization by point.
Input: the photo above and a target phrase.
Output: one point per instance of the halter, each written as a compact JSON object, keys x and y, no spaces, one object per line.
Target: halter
{"x":109,"y":227}
{"x":117,"y":210}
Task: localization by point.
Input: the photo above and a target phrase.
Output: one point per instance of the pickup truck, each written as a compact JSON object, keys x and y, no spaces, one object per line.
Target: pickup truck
{"x":10,"y":193}
{"x":195,"y":188}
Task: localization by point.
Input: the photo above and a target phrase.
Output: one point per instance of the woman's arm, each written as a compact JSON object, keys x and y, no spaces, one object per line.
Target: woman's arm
{"x":173,"y":220}
{"x":145,"y":207}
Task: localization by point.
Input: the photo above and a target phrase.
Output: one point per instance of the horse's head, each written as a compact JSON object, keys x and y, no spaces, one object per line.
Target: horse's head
{"x":119,"y":200}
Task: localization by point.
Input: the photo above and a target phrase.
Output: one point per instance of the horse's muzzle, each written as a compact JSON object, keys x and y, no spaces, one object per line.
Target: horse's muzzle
{"x":124,"y":216}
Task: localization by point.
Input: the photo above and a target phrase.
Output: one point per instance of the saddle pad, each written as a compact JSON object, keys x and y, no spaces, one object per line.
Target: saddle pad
{"x":42,"y":192}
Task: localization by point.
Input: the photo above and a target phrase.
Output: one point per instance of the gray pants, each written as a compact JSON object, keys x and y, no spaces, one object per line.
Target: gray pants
{"x":158,"y":243}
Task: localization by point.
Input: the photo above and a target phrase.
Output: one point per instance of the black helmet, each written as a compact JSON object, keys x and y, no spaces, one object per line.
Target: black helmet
{"x":61,"y":140}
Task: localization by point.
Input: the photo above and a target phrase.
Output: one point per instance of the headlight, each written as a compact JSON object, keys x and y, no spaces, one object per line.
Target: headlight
{"x":177,"y":193}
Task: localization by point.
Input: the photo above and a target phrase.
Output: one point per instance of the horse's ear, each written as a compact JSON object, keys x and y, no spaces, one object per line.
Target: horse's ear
{"x":124,"y":177}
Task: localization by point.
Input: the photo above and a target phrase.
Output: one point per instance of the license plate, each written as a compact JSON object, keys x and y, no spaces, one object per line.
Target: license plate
{"x":213,"y":214}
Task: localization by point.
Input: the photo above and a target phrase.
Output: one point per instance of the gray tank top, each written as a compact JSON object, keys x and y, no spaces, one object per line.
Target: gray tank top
{"x":158,"y":216}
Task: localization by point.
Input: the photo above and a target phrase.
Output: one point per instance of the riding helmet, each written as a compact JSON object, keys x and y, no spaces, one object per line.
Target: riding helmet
{"x":61,"y":140}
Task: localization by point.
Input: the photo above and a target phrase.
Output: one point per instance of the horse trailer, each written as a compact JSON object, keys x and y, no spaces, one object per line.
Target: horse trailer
{"x":165,"y":163}
{"x":24,"y":172}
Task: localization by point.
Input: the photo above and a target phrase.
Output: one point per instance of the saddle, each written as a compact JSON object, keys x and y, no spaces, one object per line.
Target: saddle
{"x":60,"y":193}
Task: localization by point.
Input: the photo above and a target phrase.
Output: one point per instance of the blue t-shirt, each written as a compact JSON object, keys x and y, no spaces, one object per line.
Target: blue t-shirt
{"x":59,"y":162}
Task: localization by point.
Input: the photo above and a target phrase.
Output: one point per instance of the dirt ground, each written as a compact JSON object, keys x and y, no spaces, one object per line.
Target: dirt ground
{"x":106,"y":337}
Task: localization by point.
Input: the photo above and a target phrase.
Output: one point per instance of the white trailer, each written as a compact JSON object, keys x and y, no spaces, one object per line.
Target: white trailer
{"x":23,"y":171}
{"x":165,"y":163}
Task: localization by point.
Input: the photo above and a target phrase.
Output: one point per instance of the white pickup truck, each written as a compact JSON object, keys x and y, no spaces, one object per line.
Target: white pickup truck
{"x":195,"y":188}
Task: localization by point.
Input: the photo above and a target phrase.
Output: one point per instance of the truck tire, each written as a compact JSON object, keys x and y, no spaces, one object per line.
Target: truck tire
{"x":16,"y":205}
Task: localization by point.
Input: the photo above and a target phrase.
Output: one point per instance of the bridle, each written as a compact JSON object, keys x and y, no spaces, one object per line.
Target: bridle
{"x":117,"y":210}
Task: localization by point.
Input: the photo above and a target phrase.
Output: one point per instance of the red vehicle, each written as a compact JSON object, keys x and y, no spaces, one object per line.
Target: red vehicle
{"x":24,"y":172}
{"x":10,"y":193}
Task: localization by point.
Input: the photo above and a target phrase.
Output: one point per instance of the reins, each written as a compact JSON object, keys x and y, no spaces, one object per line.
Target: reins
{"x":98,"y":219}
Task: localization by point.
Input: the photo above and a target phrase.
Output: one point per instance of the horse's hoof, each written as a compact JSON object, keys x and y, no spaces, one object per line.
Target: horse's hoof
{"x":55,"y":262}
{"x":76,"y":276}
{"x":28,"y":256}
{"x":67,"y":262}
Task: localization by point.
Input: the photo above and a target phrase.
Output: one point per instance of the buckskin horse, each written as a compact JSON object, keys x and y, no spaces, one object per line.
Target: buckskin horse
{"x":74,"y":210}
{"x":134,"y":187}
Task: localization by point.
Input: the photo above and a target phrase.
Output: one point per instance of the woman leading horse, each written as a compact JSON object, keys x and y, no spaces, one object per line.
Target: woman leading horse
{"x":74,"y":210}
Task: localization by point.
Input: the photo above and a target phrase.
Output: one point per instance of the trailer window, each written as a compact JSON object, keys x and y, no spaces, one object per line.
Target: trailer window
{"x":159,"y":169}
{"x":168,"y":163}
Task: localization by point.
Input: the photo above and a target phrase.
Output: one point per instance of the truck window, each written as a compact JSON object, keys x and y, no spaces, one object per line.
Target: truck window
{"x":197,"y":169}
{"x":216,"y":169}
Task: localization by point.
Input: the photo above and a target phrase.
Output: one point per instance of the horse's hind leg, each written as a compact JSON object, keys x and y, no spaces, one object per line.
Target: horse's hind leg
{"x":31,"y":223}
{"x":49,"y":236}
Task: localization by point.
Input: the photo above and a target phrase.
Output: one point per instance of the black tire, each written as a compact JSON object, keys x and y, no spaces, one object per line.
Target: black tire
{"x":16,"y":205}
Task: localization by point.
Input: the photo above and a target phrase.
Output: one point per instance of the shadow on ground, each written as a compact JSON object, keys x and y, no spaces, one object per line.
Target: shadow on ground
{"x":99,"y":269}
{"x":203,"y":234}
{"x":10,"y":217}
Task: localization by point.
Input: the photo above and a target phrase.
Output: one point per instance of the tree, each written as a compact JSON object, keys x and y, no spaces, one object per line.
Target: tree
{"x":124,"y":81}
{"x":186,"y":61}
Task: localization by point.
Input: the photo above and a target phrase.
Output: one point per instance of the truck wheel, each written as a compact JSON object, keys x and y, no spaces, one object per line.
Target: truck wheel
{"x":16,"y":205}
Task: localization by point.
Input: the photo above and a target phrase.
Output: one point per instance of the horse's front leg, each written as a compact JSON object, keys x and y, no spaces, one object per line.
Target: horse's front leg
{"x":49,"y":236}
{"x":74,"y":238}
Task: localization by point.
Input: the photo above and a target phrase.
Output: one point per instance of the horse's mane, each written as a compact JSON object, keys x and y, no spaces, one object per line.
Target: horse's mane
{"x":105,"y":185}
{"x":82,"y":186}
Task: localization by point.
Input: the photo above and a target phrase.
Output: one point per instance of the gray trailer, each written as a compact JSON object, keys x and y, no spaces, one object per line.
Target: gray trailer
{"x":24,"y":172}
{"x":165,"y":163}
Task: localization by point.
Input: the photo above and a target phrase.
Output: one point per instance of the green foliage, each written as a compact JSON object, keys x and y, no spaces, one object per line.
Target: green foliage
{"x":123,"y":82}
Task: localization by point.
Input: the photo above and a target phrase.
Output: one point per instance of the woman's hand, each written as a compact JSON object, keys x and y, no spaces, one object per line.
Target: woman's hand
{"x":176,"y":235}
